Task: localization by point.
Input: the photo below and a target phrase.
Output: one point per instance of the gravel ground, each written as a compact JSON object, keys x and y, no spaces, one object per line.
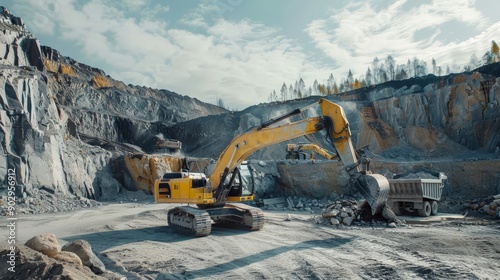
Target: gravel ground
{"x":132,"y":239}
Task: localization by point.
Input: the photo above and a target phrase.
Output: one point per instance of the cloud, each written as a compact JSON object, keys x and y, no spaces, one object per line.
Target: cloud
{"x":203,"y":54}
{"x":355,"y":34}
{"x":238,"y":61}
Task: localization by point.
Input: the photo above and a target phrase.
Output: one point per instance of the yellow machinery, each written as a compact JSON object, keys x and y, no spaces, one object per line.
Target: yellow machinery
{"x":232,"y":181}
{"x":297,"y":151}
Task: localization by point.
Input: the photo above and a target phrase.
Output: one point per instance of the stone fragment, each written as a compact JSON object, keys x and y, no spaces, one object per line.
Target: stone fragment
{"x":45,"y":243}
{"x":392,"y":225}
{"x":497,"y":201}
{"x":83,"y":250}
{"x":70,"y":257}
{"x":31,"y":264}
{"x":334,"y":221}
{"x":493,"y":206}
{"x":331,"y":213}
{"x":486,"y":208}
{"x":347,"y":221}
{"x":109,"y":275}
{"x":388,"y":214}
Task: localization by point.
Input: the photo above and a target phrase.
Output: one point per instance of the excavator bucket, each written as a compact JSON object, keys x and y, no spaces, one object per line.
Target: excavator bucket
{"x":374,"y":188}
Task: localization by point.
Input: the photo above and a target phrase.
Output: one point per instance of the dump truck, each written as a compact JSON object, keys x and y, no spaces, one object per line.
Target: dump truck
{"x":415,"y":195}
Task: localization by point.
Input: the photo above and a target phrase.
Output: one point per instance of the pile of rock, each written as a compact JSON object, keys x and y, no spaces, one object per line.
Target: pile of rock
{"x":489,"y":206}
{"x":308,"y":204}
{"x":38,"y":201}
{"x":342,"y":212}
{"x":43,"y":258}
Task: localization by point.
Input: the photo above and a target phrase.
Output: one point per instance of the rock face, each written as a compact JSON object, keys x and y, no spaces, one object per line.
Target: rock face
{"x":56,"y":115}
{"x":18,"y":47}
{"x":462,"y":108}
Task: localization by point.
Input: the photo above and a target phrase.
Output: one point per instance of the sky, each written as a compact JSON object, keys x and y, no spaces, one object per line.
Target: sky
{"x":240,"y":50}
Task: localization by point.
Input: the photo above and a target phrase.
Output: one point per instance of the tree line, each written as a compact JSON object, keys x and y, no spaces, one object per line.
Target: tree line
{"x":380,"y":71}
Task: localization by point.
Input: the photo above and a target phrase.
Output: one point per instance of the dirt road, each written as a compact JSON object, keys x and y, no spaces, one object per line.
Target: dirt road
{"x":132,"y":239}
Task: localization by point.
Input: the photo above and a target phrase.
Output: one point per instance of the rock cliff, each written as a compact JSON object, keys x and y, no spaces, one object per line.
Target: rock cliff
{"x":56,"y":113}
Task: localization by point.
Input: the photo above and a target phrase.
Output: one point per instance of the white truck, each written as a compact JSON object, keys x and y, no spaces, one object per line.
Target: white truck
{"x":415,"y":195}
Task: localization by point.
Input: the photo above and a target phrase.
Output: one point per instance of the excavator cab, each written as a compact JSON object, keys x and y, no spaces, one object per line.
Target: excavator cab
{"x":242,"y":183}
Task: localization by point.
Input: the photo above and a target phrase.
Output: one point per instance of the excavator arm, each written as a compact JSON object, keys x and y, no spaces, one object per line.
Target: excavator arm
{"x":374,"y":187}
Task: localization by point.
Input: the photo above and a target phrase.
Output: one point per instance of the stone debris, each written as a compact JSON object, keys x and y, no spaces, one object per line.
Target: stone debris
{"x":83,"y":250}
{"x":31,"y":264}
{"x":70,"y":257}
{"x":38,"y":201}
{"x":336,"y":210}
{"x":487,"y":206}
{"x":419,"y":175}
{"x":45,"y":243}
{"x":43,"y":258}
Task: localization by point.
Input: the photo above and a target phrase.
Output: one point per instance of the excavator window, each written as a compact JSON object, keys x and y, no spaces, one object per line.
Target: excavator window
{"x":247,"y":179}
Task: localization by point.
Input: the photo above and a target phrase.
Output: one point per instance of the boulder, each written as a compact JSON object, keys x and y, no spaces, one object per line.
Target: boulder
{"x":347,"y":221}
{"x":334,"y":221}
{"x":83,"y":250}
{"x":45,"y":243}
{"x":31,"y":264}
{"x":69,"y":257}
{"x":388,"y":214}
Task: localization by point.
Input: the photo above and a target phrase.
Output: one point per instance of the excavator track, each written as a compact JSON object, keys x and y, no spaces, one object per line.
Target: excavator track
{"x":190,"y":220}
{"x":238,"y":215}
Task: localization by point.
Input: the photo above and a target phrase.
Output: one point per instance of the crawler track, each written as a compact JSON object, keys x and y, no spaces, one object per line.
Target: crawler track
{"x":190,"y":220}
{"x":239,"y":215}
{"x":198,"y":222}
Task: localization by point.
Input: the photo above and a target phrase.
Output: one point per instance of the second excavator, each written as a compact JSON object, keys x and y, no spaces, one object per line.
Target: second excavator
{"x":297,"y":151}
{"x":218,"y":196}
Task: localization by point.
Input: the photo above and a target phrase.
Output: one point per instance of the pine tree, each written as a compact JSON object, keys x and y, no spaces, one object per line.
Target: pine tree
{"x":350,"y":80}
{"x":375,"y":70}
{"x":390,"y":65}
{"x":315,"y":88}
{"x":284,"y":92}
{"x":486,"y":59}
{"x":368,"y":77}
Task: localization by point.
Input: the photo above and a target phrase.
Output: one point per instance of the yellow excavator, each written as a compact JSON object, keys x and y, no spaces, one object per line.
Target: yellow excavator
{"x":297,"y":151}
{"x":231,"y":181}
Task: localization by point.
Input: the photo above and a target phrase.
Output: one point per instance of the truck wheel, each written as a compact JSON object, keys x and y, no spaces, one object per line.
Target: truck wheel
{"x":426,"y":209}
{"x":434,"y":207}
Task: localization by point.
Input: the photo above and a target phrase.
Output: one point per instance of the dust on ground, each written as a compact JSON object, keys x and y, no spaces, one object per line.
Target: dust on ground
{"x":132,"y":239}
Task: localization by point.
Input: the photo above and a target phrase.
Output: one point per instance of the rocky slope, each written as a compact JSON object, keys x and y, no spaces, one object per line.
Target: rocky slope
{"x":66,"y":128}
{"x":50,"y":103}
